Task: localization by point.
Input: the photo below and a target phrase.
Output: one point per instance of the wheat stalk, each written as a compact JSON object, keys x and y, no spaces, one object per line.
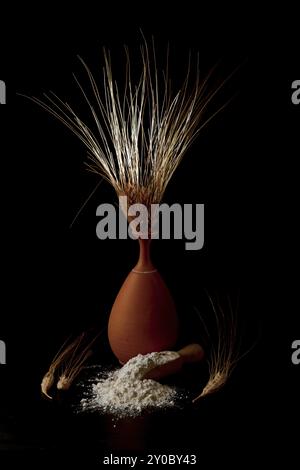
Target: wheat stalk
{"x":67,"y":363}
{"x":224,"y":353}
{"x":142,"y":133}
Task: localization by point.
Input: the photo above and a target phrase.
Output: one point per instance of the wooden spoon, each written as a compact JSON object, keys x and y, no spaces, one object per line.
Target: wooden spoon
{"x":188,"y":354}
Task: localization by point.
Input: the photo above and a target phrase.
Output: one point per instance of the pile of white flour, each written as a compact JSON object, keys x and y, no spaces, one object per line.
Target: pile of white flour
{"x":125,"y":392}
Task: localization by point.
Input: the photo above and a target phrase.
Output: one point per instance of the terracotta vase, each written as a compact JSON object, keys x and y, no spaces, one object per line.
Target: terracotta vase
{"x":143,"y":318}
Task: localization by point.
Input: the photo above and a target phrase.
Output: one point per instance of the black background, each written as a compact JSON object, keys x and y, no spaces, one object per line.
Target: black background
{"x":58,"y":279}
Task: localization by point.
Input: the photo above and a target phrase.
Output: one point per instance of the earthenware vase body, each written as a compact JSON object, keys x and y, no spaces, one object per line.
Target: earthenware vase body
{"x":143,"y":318}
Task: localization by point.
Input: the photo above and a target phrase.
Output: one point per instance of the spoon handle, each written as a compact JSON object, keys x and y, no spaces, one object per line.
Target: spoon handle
{"x":192,"y":353}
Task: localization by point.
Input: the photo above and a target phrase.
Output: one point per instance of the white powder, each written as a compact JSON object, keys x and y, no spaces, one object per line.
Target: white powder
{"x":124,"y":392}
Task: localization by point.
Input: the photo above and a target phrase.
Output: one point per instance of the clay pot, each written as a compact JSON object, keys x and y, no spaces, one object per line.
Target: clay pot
{"x":143,"y":318}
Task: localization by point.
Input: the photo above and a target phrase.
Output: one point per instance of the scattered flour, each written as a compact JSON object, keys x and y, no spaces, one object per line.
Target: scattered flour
{"x":124,"y":392}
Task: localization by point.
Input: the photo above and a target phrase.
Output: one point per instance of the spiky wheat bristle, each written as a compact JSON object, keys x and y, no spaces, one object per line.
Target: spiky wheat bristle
{"x":224,"y":350}
{"x":143,"y":133}
{"x":67,"y":363}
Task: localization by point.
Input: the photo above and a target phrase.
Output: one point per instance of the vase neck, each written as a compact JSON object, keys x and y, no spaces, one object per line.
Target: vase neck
{"x":144,"y":263}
